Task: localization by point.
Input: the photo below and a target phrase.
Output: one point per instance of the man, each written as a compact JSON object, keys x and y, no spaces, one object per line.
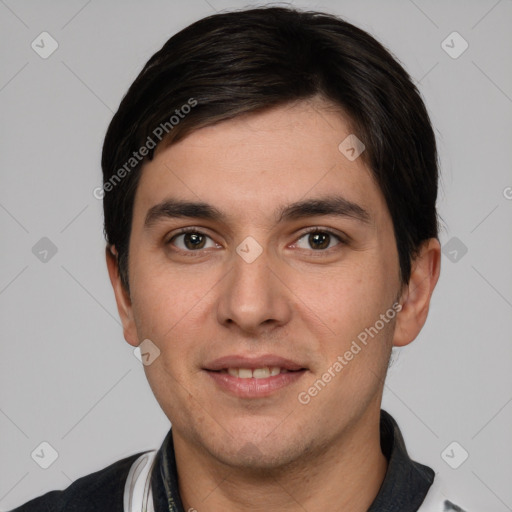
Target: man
{"x":270,"y":185}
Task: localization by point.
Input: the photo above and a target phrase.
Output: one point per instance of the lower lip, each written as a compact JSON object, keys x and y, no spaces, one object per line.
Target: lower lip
{"x":254,"y":388}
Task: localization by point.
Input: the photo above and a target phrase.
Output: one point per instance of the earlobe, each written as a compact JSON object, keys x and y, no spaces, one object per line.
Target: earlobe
{"x":416,"y":295}
{"x":123,"y":300}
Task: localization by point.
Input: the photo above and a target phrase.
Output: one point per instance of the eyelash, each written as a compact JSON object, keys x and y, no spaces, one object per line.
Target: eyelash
{"x":313,"y":230}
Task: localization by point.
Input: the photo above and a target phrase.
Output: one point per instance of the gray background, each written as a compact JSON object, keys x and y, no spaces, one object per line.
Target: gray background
{"x":67,"y":376}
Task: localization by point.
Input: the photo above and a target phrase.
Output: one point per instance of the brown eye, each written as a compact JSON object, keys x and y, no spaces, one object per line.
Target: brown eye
{"x":190,"y":240}
{"x":194,"y":240}
{"x":319,"y":240}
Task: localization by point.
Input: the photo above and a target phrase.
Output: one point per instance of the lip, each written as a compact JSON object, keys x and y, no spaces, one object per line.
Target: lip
{"x":252,"y":362}
{"x":252,"y":387}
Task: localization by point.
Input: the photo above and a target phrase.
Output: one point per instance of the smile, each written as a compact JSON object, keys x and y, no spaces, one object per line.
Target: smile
{"x":254,"y":383}
{"x":256,"y":373}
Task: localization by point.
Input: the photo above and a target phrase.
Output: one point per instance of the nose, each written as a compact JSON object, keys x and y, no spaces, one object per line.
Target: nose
{"x":254,"y":295}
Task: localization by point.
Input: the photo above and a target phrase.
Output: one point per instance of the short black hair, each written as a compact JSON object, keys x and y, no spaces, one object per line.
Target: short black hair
{"x":249,"y":60}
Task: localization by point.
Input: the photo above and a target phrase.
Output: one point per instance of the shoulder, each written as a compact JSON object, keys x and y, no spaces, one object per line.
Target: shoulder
{"x":102,"y":490}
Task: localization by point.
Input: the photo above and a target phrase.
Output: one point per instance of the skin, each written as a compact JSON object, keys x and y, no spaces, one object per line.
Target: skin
{"x":295,"y":300}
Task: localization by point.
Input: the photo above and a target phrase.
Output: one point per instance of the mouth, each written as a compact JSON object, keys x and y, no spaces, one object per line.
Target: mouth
{"x":260,"y":377}
{"x":256,"y":373}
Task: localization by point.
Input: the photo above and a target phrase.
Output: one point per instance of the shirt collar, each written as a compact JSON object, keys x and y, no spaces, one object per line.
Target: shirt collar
{"x":403,"y":490}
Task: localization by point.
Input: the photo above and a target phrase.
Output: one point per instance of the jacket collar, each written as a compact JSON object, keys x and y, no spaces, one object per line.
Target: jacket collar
{"x":406,"y":482}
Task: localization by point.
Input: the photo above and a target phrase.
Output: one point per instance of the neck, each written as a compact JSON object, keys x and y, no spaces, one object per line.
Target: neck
{"x":346,"y":475}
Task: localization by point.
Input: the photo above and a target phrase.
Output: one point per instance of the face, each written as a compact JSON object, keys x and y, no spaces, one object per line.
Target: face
{"x":258,"y":309}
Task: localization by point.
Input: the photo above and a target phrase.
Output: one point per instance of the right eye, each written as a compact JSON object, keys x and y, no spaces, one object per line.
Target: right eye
{"x":192,"y":240}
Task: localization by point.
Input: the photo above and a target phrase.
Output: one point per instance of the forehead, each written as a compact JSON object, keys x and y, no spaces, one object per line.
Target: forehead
{"x":254,"y":164}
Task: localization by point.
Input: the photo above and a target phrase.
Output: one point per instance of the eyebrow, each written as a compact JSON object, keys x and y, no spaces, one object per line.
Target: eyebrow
{"x":331,"y":205}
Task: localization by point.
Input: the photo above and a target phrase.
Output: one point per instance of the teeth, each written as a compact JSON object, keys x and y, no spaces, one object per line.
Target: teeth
{"x":257,"y":373}
{"x":244,"y":373}
{"x":261,"y":373}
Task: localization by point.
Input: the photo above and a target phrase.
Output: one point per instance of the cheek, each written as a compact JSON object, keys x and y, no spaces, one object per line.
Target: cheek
{"x":172,"y":310}
{"x":165,"y":298}
{"x":351,"y":298}
{"x":351,"y":307}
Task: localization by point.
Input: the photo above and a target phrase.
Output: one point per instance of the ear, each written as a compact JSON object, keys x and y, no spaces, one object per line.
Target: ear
{"x":415,"y":298}
{"x":123,"y":300}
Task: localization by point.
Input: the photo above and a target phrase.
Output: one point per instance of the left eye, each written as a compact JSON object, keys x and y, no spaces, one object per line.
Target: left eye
{"x":193,"y":240}
{"x":319,"y":239}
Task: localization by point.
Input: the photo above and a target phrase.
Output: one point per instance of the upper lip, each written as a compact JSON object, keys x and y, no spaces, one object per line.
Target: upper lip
{"x":252,"y":362}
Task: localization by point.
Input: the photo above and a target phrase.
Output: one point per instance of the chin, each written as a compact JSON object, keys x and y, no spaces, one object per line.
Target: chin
{"x":263,"y":449}
{"x":254,"y":458}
